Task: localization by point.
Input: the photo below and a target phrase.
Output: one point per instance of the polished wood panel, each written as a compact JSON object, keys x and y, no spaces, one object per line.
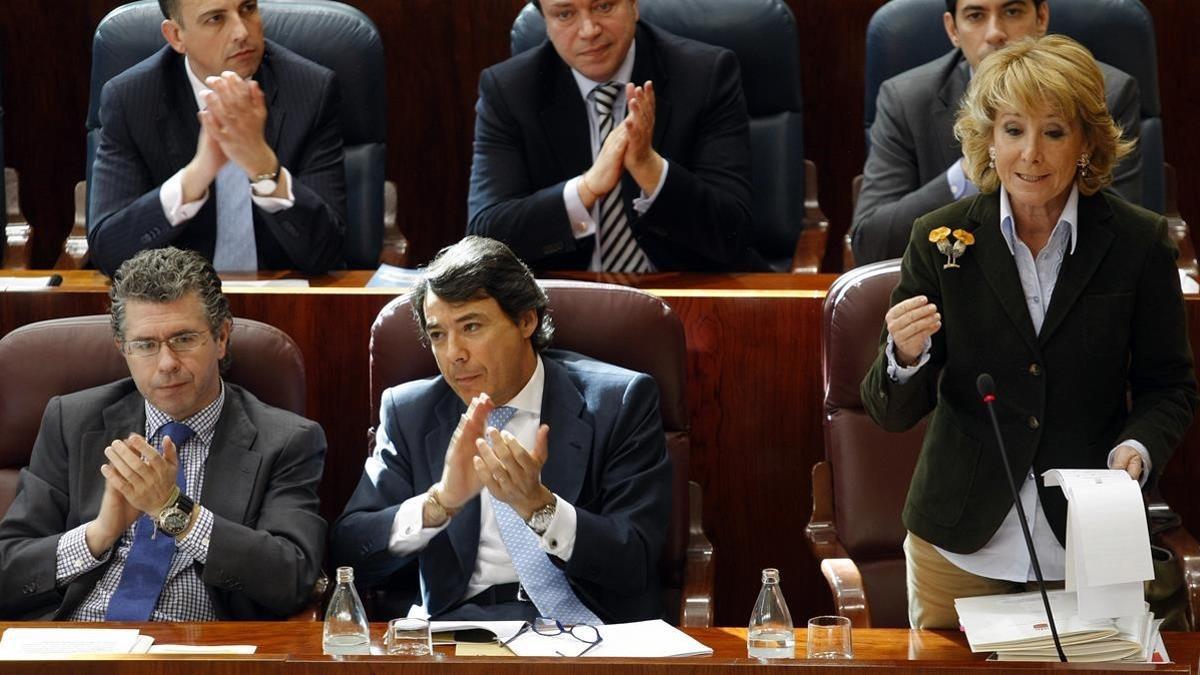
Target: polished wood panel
{"x":754,"y":392}
{"x":295,"y":648}
{"x":435,"y":52}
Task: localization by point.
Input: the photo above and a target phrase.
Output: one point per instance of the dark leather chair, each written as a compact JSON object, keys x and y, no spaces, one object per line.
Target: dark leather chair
{"x":618,"y":325}
{"x":332,"y":34}
{"x":790,"y":230}
{"x":859,"y":489}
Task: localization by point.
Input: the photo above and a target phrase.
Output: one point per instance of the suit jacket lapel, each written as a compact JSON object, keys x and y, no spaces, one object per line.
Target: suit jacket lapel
{"x":946,"y":108}
{"x":992,"y":254}
{"x":571,"y":435}
{"x":464,"y":527}
{"x":270,"y":87}
{"x":177,"y":124}
{"x":646,"y":67}
{"x":1078,"y":268}
{"x":231,"y":469}
{"x":564,"y":116}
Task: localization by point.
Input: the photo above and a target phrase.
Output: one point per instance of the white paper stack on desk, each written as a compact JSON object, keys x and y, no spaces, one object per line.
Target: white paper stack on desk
{"x":1014,"y":626}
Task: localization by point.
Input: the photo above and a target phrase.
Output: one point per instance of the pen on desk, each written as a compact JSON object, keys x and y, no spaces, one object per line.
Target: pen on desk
{"x":55,"y":280}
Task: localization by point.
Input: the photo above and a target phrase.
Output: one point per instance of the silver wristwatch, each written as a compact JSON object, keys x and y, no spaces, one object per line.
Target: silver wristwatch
{"x":265,"y":183}
{"x":540,"y":520}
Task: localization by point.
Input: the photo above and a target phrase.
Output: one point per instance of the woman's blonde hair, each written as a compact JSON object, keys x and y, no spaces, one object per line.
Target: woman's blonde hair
{"x":1052,"y":73}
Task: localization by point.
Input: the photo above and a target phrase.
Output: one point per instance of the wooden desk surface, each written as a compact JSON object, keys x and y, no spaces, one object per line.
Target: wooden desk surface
{"x":295,"y":648}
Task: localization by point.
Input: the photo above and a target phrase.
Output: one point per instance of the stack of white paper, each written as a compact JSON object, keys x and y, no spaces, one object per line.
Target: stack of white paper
{"x":17,"y":643}
{"x":1015,"y":627}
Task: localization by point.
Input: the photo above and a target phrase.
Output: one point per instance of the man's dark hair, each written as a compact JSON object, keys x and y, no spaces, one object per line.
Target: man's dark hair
{"x":164,"y":275}
{"x":951,"y":5}
{"x":170,"y":9}
{"x":536,"y":4}
{"x":476,"y":268}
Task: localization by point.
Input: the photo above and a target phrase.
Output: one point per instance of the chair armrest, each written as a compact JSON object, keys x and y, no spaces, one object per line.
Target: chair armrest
{"x":316,"y":602}
{"x":696,"y":601}
{"x":74,"y":254}
{"x":814,"y":235}
{"x":821,"y":532}
{"x":395,"y":244}
{"x":17,"y":231}
{"x":1186,"y":550}
{"x":849,"y":596}
{"x":1177,"y":227}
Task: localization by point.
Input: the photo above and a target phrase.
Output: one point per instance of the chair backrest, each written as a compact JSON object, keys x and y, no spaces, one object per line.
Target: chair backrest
{"x":263,"y":359}
{"x":4,"y":189}
{"x":763,"y":36}
{"x":332,"y":34}
{"x":615,"y":324}
{"x":904,"y":34}
{"x":871,"y":468}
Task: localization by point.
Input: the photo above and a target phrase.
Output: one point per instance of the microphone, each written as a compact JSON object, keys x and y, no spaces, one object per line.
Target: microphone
{"x":987,"y":391}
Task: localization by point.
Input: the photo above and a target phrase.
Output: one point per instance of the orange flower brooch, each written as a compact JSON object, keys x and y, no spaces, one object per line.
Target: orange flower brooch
{"x":962,"y":239}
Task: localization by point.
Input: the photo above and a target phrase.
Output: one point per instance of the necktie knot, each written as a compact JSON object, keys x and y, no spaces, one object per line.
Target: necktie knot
{"x":180,"y":433}
{"x":605,"y":95}
{"x":500,"y":417}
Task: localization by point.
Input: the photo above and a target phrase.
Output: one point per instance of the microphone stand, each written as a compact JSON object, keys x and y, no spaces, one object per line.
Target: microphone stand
{"x":987,"y":387}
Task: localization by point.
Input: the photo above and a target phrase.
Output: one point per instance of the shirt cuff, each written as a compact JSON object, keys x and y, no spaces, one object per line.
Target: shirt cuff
{"x":276,"y":204}
{"x":74,"y":557}
{"x":170,"y":195}
{"x":195,"y":543}
{"x":559,"y":538}
{"x":960,"y":185}
{"x":1141,"y":450}
{"x":901,"y":374}
{"x":642,"y":203}
{"x":409,"y":534}
{"x":582,"y":223}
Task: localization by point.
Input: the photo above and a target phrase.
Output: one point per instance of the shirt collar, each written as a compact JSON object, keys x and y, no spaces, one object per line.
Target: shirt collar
{"x":529,"y":399}
{"x":202,"y":423}
{"x":623,"y":75}
{"x":198,"y":87}
{"x":1070,"y":216}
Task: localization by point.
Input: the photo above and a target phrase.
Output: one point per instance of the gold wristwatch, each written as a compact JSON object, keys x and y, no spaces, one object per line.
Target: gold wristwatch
{"x":440,"y":512}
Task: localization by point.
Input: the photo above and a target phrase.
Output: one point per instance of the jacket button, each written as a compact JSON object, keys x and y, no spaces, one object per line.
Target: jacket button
{"x":1033,"y":422}
{"x":1035,"y":369}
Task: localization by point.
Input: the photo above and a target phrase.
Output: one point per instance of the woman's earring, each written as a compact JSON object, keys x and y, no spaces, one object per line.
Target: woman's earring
{"x":992,"y":157}
{"x":1082,"y":163}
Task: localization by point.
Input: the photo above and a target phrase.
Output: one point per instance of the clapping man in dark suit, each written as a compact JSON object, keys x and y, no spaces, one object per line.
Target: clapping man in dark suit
{"x":915,"y":163}
{"x":171,"y":495}
{"x":222,"y":142}
{"x":524,"y":480}
{"x":615,"y":146}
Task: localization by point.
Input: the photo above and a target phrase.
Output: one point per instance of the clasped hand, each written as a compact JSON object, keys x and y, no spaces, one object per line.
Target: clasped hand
{"x":627,"y":148}
{"x":232,"y":129}
{"x":510,"y":472}
{"x":910,"y":323}
{"x":137,"y":480}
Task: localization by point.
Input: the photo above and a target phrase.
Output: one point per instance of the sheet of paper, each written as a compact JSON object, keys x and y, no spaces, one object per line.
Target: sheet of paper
{"x":1112,"y":600}
{"x":390,"y":276}
{"x":26,"y":283}
{"x":1109,"y":522}
{"x":493,"y":649}
{"x":61,"y":641}
{"x":266,"y":283}
{"x":1188,"y":284}
{"x":643,"y":639}
{"x":203,"y":649}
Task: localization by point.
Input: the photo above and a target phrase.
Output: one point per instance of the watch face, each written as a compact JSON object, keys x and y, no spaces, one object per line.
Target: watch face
{"x":265,"y":186}
{"x":173,"y":521}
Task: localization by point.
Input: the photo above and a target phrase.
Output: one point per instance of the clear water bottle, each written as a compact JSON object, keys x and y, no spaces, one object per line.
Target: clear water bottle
{"x":346,"y":630}
{"x":771,"y":635}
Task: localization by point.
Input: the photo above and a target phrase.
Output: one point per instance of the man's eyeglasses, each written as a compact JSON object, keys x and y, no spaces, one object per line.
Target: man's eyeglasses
{"x":545,"y":627}
{"x":184,"y":342}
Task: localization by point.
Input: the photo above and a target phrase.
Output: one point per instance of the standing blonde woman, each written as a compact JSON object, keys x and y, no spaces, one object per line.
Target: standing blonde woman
{"x":1065,"y":294}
